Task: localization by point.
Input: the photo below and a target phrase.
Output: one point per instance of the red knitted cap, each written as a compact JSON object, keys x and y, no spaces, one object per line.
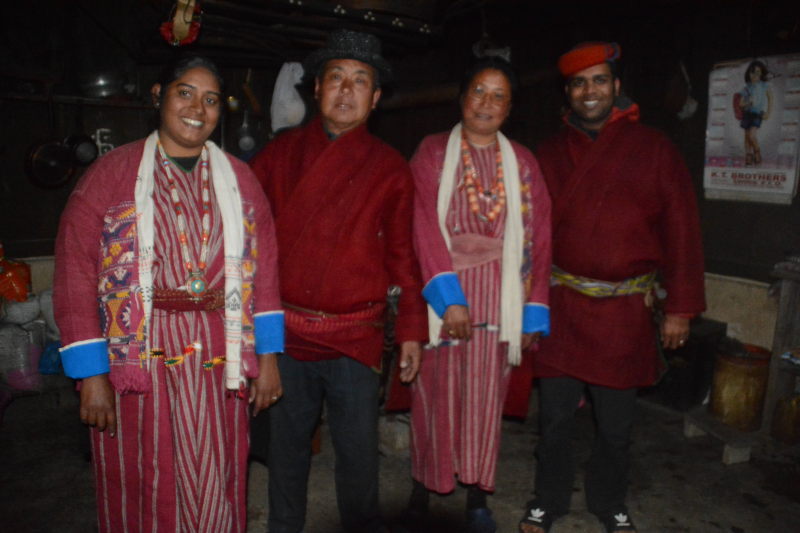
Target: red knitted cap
{"x":587,"y":55}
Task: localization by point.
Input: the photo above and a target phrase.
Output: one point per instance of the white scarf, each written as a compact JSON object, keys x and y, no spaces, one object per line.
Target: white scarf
{"x":230,"y":205}
{"x":511,"y":297}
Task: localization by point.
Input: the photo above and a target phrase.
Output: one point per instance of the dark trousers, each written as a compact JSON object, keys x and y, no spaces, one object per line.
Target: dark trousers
{"x":350,"y":392}
{"x":607,"y":470}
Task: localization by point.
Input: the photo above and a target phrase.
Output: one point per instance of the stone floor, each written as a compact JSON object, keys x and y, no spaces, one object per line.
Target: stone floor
{"x":677,"y":484}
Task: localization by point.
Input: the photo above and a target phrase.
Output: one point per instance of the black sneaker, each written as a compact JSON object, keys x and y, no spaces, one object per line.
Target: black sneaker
{"x":536,"y":516}
{"x":618,"y":522}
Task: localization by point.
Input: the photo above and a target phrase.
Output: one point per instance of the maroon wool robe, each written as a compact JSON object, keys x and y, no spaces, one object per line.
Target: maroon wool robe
{"x":343,"y":211}
{"x":623,"y":205}
{"x":179,"y":459}
{"x":459,"y":394}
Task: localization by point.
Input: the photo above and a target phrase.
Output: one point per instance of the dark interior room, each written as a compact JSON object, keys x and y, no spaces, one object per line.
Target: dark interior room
{"x":75,"y":83}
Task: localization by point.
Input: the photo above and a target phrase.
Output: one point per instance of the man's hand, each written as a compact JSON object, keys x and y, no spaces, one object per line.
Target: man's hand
{"x":410,"y":357}
{"x":457,"y":323}
{"x":98,"y":404}
{"x":266,"y":389}
{"x":529,"y":338}
{"x":674,"y":331}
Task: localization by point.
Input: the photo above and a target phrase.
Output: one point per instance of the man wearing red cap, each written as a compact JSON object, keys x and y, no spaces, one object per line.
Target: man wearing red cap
{"x":624,"y":217}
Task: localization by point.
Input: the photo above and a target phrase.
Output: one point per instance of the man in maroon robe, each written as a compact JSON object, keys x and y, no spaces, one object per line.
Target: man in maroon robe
{"x":624,"y":216}
{"x":342,"y":201}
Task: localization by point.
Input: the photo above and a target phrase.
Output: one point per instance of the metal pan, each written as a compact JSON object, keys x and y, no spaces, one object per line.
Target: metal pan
{"x":49,"y":164}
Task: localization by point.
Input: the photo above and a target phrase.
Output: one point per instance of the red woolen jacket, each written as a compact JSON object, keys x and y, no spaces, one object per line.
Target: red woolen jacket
{"x":343,"y":212}
{"x":623,"y":205}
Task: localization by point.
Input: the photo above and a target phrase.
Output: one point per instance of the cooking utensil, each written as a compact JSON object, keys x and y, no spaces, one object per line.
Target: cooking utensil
{"x":102,"y":84}
{"x":49,"y":164}
{"x":82,"y":147}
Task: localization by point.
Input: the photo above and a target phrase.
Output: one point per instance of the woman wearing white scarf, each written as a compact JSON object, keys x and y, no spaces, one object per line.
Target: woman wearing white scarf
{"x":166,"y":319}
{"x":483,"y":240}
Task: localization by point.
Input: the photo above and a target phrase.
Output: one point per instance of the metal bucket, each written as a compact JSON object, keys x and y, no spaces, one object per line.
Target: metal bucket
{"x":739,"y":386}
{"x":786,"y":420}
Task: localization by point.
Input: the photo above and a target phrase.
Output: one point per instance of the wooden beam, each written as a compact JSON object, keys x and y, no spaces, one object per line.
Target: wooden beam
{"x":448,"y":92}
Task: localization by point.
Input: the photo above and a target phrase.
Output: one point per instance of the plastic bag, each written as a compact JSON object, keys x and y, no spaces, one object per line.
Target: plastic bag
{"x":15,"y":280}
{"x":287,"y":109}
{"x":46,"y":306}
{"x":14,"y":342}
{"x":22,"y":312}
{"x":19,"y":358}
{"x":50,"y":360}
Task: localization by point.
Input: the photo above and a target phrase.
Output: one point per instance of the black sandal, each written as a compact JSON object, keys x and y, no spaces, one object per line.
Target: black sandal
{"x":617,"y":522}
{"x":536,"y":516}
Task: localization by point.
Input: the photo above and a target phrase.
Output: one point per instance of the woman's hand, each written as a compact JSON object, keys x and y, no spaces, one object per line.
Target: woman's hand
{"x":266,"y":389}
{"x":528,"y":339}
{"x":674,"y":331}
{"x":410,"y":358}
{"x":98,"y":404}
{"x":457,"y":323}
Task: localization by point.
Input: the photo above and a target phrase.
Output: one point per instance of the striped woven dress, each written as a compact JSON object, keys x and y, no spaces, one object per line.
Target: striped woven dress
{"x":458,"y":396}
{"x":179,"y":460}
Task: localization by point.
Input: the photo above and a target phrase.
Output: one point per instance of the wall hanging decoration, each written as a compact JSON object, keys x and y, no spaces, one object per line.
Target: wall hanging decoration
{"x":184,"y":25}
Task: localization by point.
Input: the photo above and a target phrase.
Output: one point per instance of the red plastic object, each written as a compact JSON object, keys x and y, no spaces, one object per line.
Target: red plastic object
{"x":15,"y":280}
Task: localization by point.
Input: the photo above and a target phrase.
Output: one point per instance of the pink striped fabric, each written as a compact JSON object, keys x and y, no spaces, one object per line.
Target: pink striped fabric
{"x":179,"y":460}
{"x":457,"y":399}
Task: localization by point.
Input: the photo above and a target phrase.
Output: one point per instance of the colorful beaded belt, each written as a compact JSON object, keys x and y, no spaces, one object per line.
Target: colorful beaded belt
{"x":603,"y":289}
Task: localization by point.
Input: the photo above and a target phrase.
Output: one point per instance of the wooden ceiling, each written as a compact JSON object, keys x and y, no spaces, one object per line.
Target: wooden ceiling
{"x":269,"y":32}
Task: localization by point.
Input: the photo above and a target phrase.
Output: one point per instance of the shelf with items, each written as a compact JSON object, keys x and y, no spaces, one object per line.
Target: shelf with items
{"x":782,"y":377}
{"x":76,"y":100}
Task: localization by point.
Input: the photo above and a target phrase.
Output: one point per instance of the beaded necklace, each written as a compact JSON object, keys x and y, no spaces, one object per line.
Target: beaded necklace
{"x":497,"y":192}
{"x":196,"y":282}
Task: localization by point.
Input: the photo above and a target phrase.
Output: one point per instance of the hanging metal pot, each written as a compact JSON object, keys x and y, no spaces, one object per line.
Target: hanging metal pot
{"x":52,"y":163}
{"x":82,"y":147}
{"x":49,"y":164}
{"x":102,"y":84}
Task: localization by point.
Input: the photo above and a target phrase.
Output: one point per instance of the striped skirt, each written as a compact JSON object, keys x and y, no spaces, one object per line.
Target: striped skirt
{"x":179,"y":460}
{"x":457,"y":398}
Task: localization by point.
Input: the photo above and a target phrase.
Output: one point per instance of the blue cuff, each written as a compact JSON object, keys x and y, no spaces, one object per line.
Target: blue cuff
{"x":535,"y":318}
{"x":85,"y":358}
{"x":442,"y":291}
{"x":269,"y":332}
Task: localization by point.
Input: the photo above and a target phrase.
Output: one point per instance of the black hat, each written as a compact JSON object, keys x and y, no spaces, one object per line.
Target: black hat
{"x":346,"y":44}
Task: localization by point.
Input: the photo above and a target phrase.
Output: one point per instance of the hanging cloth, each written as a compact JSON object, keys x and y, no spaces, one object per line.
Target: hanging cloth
{"x":287,"y":109}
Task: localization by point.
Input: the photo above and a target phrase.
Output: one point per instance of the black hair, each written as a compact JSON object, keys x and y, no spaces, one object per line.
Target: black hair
{"x":488,"y":63}
{"x":179,"y":65}
{"x":752,"y":66}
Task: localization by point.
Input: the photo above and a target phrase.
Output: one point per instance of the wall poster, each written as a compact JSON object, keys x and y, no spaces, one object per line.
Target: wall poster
{"x":753,"y":130}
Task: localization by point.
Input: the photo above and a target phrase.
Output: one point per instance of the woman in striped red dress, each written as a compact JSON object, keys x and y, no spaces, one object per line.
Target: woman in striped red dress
{"x":167,"y":302}
{"x":482,"y":230}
